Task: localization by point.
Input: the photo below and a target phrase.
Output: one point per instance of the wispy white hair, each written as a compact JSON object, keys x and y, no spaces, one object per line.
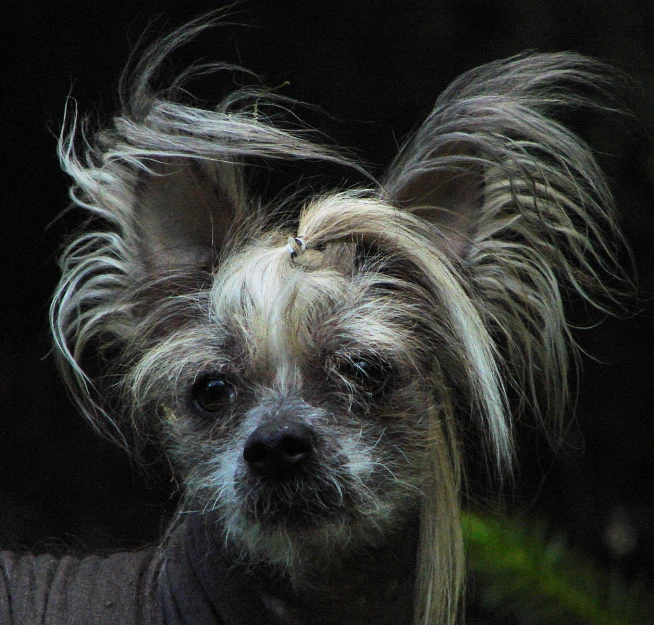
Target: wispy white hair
{"x":492,"y":205}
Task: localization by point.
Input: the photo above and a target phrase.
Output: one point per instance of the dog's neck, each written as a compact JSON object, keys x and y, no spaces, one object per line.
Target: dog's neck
{"x":203,"y":585}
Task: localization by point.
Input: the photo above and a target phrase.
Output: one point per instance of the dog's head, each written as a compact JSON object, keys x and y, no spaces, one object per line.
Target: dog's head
{"x":306,"y":386}
{"x":313,"y":371}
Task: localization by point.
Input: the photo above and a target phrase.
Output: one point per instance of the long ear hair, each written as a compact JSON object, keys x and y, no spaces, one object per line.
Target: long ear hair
{"x":526,"y":215}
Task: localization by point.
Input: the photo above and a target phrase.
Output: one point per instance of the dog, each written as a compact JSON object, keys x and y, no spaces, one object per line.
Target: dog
{"x":317,"y":369}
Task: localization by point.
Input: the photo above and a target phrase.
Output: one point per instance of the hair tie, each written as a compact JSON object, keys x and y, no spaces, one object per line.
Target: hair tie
{"x":295,"y":246}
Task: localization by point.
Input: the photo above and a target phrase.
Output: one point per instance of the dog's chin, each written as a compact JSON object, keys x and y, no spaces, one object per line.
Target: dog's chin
{"x":295,"y":518}
{"x":298,"y":534}
{"x":296,"y":545}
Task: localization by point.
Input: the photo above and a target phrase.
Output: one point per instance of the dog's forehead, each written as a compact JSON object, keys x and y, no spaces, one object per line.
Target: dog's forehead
{"x":269,"y":278}
{"x":281,"y":306}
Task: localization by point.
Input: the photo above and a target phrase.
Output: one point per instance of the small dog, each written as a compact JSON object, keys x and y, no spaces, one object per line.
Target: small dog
{"x":316,"y":370}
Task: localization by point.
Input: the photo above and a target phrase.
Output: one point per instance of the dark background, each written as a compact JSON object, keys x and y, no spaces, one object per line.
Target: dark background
{"x":376,"y":67}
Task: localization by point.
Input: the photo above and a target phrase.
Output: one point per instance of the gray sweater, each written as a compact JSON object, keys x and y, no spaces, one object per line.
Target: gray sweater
{"x":190,"y":583}
{"x":43,"y":590}
{"x":194,"y":580}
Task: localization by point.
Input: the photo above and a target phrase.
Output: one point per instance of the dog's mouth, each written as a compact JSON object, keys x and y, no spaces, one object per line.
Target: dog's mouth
{"x":300,"y":501}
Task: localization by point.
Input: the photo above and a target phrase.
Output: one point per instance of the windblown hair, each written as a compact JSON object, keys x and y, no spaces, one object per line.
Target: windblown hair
{"x":493,"y":213}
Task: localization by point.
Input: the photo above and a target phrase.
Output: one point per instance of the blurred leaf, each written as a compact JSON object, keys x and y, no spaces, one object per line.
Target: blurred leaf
{"x":518,"y":572}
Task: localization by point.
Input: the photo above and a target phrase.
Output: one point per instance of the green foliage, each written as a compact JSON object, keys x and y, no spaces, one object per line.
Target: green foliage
{"x":519,"y":573}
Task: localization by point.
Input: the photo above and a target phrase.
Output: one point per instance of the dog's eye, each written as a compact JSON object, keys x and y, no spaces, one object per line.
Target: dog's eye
{"x":213,"y":392}
{"x":370,"y":375}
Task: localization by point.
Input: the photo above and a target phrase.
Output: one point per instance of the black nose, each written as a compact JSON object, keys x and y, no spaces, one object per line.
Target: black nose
{"x":278,"y":449}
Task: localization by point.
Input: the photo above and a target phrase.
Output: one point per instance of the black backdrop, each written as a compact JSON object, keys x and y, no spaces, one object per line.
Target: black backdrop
{"x":376,"y":67}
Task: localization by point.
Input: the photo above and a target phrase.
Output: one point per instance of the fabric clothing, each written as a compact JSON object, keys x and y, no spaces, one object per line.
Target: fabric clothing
{"x":201,"y":584}
{"x":190,"y":582}
{"x":43,"y":590}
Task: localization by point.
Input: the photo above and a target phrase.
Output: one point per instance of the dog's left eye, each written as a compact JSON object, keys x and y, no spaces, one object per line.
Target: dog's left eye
{"x":370,"y":375}
{"x":213,"y":392}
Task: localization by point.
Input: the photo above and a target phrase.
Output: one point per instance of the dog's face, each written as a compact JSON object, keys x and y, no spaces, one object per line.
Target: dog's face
{"x":296,"y":391}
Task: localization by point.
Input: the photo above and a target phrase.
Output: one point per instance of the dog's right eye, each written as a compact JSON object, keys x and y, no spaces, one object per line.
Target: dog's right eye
{"x":213,"y":393}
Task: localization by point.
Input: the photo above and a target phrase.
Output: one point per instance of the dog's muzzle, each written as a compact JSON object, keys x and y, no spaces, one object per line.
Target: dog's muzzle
{"x":291,"y":473}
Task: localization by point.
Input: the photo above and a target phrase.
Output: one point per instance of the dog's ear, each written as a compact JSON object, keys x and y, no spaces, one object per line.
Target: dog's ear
{"x":182,"y":211}
{"x":445,"y":188}
{"x":521,"y":200}
{"x":493,"y":164}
